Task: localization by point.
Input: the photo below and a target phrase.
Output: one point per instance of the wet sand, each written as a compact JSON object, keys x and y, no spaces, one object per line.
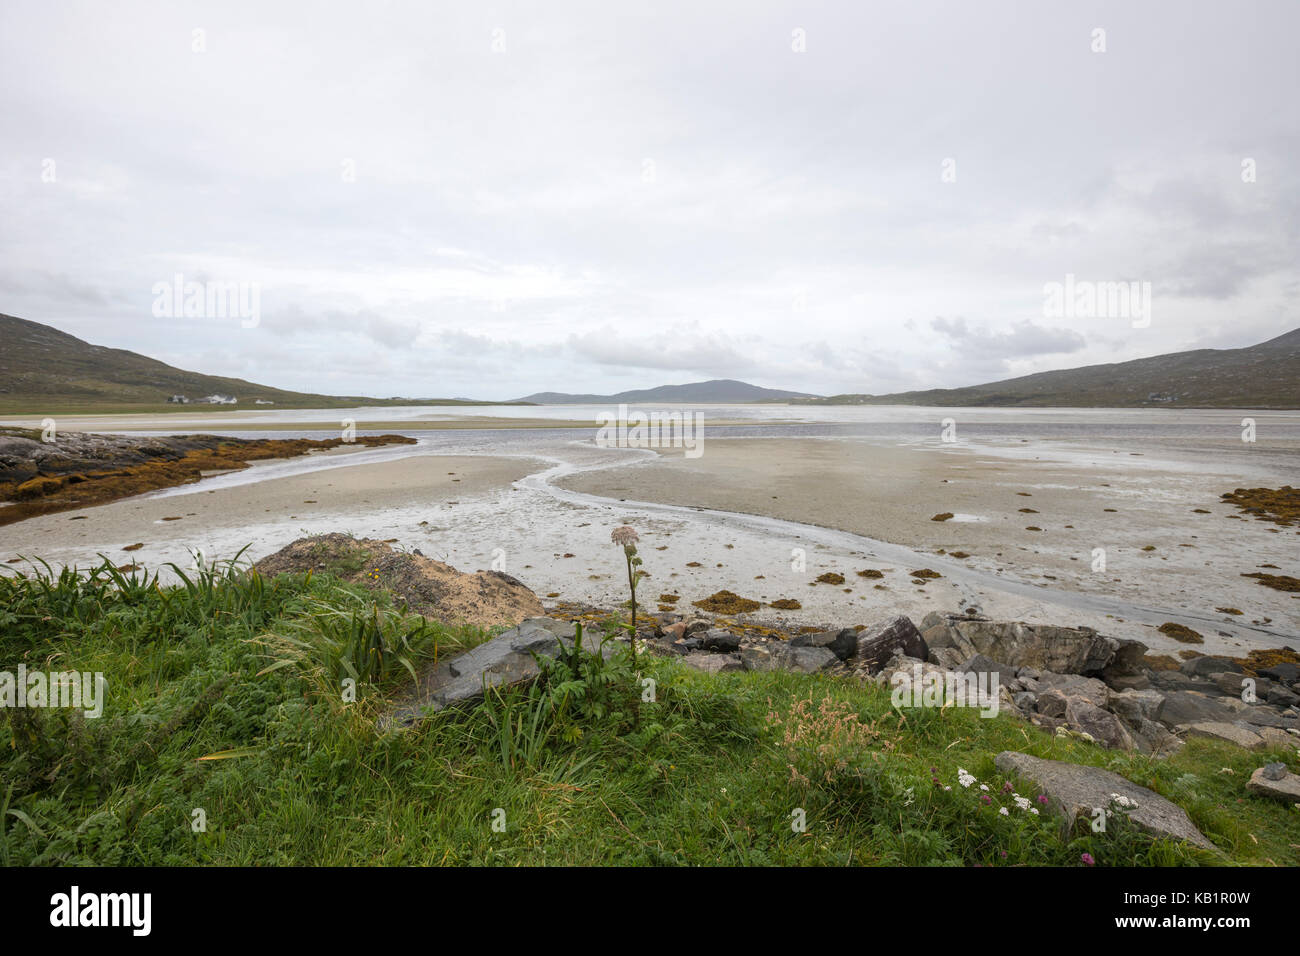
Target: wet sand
{"x":1083,"y":503}
{"x":220,"y":520}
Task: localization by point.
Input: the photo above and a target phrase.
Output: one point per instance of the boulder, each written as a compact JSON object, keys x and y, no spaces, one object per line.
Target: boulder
{"x":713,"y":663}
{"x":1205,"y":666}
{"x":1065,"y":650}
{"x":878,"y":643}
{"x":979,"y":664}
{"x":1135,"y":706}
{"x":1074,"y":790}
{"x":1189,"y":707}
{"x":842,"y":643}
{"x":1223,"y":731}
{"x":1075,"y":685}
{"x":785,"y":657}
{"x":718,"y":639}
{"x":1286,"y":788}
{"x":1285,"y":672}
{"x":1101,"y":725}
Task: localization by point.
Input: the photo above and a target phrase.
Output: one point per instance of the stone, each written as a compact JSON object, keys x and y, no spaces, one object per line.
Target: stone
{"x":1279,"y":695}
{"x":1274,"y":771}
{"x":1285,"y":672}
{"x":1051,"y":703}
{"x":1101,"y":725}
{"x":842,"y":643}
{"x":1287,"y":788}
{"x":1205,"y":666}
{"x":949,"y":658}
{"x":1064,"y":650}
{"x":1126,"y":662}
{"x":718,"y":639}
{"x":1155,"y":739}
{"x":1275,"y":737}
{"x":1233,"y":685}
{"x":1074,"y":790}
{"x":1223,"y":731}
{"x":1135,"y":706}
{"x":1190,"y":707}
{"x":713,"y":663}
{"x":1129,"y":682}
{"x":878,"y":643}
{"x":1074,"y":685}
{"x":784,"y":657}
{"x":979,"y":664}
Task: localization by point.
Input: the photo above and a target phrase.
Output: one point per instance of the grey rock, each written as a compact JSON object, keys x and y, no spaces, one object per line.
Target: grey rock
{"x":1205,"y":666}
{"x":713,"y":663}
{"x":1024,"y":701}
{"x":878,"y":643}
{"x":1101,"y":725}
{"x":1279,"y":695}
{"x":1287,"y":788}
{"x":717,"y":639}
{"x":1135,"y":706}
{"x":1051,"y":703}
{"x":784,"y":657}
{"x":1073,"y":790}
{"x":1190,"y":707}
{"x":1064,"y":650}
{"x":979,"y":664}
{"x":1222,"y":731}
{"x":1233,"y":685}
{"x":1273,"y":771}
{"x":949,"y":658}
{"x":842,"y":643}
{"x":1075,"y":685}
{"x":1129,"y":682}
{"x":1286,"y":672}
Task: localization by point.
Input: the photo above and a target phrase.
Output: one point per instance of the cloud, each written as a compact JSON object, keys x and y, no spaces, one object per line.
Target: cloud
{"x":1024,"y":339}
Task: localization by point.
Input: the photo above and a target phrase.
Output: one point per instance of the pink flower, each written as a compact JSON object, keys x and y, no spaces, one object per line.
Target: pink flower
{"x":1087,"y":859}
{"x":626,"y":536}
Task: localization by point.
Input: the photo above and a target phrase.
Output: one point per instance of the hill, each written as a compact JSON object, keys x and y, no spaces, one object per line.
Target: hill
{"x":723,"y":390}
{"x":1260,"y":376}
{"x":43,"y":369}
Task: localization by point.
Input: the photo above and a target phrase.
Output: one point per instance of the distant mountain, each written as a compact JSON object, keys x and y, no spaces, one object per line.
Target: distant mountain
{"x":722,"y":390}
{"x":1261,"y":376}
{"x":43,"y":369}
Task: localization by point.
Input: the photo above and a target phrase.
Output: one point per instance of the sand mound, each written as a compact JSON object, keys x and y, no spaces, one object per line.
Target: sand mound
{"x":430,"y":588}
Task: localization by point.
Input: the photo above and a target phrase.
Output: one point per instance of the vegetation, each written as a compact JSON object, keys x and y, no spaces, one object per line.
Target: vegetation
{"x":229,"y":736}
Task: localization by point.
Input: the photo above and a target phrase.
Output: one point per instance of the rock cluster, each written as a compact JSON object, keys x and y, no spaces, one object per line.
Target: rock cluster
{"x":1064,"y":679}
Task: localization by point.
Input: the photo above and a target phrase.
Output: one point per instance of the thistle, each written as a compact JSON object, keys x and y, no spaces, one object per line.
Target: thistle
{"x":627,"y":537}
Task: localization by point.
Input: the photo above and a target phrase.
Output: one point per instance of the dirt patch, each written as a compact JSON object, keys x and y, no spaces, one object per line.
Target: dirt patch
{"x":725,"y":602}
{"x":429,"y":588}
{"x":1181,"y":633}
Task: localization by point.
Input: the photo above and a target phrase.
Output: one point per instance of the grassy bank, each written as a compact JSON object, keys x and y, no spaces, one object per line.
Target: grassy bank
{"x":225,"y":695}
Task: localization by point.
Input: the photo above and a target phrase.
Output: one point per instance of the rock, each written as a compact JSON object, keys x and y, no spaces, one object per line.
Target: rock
{"x":1190,"y":707}
{"x":1064,"y":650}
{"x":1223,"y":731}
{"x":1286,"y":788}
{"x":1153,"y":738}
{"x":979,"y":664}
{"x":949,"y":658}
{"x":1025,"y":701}
{"x":1129,"y":682}
{"x":675,"y":631}
{"x":1279,"y":695}
{"x":1127,"y":661}
{"x":1205,"y":666}
{"x":1075,"y":790}
{"x":717,"y":639}
{"x":1073,"y":685}
{"x":713,"y":663}
{"x":785,"y":657}
{"x":1285,"y":672}
{"x":504,"y":660}
{"x":1274,"y":771}
{"x":878,"y":643}
{"x":1233,"y":685}
{"x":1135,"y":706}
{"x":1101,"y":725}
{"x":1275,"y":737}
{"x":1051,"y":703}
{"x":430,"y":588}
{"x":843,"y":643}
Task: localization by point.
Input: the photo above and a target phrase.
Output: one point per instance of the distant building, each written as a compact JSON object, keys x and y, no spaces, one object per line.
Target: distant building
{"x":218,"y":400}
{"x":178,"y":400}
{"x":262,"y":401}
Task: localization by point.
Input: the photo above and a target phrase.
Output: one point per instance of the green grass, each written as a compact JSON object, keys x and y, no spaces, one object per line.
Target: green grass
{"x":248,"y":672}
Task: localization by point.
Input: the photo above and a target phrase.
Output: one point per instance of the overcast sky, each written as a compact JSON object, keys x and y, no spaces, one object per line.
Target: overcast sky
{"x":491,"y":199}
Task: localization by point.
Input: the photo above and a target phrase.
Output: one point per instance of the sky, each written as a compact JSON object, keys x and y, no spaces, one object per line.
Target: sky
{"x":491,"y":199}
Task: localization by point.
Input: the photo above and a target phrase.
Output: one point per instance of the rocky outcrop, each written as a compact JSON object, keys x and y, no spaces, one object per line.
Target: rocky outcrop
{"x":1074,"y":791}
{"x":1064,"y":650}
{"x":1273,"y":780}
{"x":428,"y":587}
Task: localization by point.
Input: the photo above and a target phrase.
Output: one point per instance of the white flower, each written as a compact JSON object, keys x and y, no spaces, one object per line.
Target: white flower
{"x":1022,"y":802}
{"x":964,"y":778}
{"x":1004,"y":811}
{"x":984,"y":786}
{"x":1034,"y":811}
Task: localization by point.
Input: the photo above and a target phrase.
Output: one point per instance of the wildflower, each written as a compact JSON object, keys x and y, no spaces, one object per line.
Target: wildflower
{"x":1006,"y":787}
{"x":1022,"y":803}
{"x":626,"y":536}
{"x":985,"y":799}
{"x":1087,"y":859}
{"x":1004,"y":811}
{"x":964,"y":778}
{"x":984,"y":786}
{"x":1042,"y":798}
{"x":1034,"y":811}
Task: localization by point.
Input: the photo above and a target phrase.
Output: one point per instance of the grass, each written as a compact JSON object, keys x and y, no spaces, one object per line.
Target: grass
{"x":226,"y":696}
